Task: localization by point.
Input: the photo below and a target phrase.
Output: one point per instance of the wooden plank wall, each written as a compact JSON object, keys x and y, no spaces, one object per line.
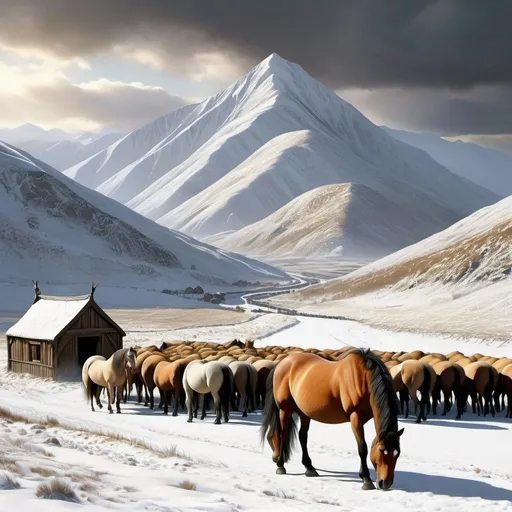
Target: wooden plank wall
{"x":110,"y":343}
{"x":20,"y":358}
{"x":90,"y":319}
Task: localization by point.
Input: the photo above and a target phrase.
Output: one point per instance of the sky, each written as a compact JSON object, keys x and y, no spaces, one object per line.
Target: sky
{"x":443,"y":66}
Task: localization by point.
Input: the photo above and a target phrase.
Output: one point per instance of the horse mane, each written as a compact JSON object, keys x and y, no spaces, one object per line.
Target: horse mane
{"x":118,"y":357}
{"x":381,"y":386}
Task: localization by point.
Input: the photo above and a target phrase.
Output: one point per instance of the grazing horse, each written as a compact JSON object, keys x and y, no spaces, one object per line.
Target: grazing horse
{"x":168,"y":378}
{"x":447,"y":381}
{"x":243,"y":386}
{"x":506,"y":374}
{"x":147,"y":373}
{"x":354,"y":388}
{"x":416,"y":376}
{"x":499,"y":391}
{"x":110,"y":373}
{"x":480,"y":381}
{"x":263,"y":367}
{"x":212,"y":377}
{"x":400,"y":388}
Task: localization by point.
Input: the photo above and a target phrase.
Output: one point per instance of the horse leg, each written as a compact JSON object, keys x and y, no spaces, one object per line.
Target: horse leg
{"x":151,"y":398}
{"x":98,"y":400}
{"x":404,"y":402}
{"x":447,"y":395}
{"x":218,"y":408}
{"x":196,"y":402}
{"x":138,"y":387}
{"x":177,"y":393}
{"x":202,"y":405}
{"x":303,"y":439}
{"x":358,"y":430}
{"x":246,"y":400}
{"x":146,"y":395}
{"x":285,"y":416}
{"x":189,"y":395}
{"x":119,"y":391}
{"x":165,"y":398}
{"x":110,"y":398}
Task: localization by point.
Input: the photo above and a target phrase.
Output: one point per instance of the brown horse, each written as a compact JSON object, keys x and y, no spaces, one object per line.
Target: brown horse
{"x":448,"y":381}
{"x":480,"y":382}
{"x":506,"y":375}
{"x":355,"y":388}
{"x":417,"y":376}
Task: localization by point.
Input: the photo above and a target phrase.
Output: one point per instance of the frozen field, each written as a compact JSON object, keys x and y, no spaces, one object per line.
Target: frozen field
{"x":444,"y":464}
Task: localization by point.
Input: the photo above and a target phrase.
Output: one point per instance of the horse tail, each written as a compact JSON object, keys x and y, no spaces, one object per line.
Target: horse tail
{"x":491,"y":384}
{"x":248,"y":389}
{"x":90,"y":387}
{"x":425,"y":385}
{"x":272,"y":424}
{"x":226,"y":389}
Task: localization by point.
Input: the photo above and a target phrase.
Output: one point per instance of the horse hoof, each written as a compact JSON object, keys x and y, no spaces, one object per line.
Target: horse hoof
{"x":166,"y":413}
{"x":418,"y":420}
{"x":311,"y":472}
{"x":368,"y":486}
{"x":100,"y":406}
{"x":111,"y":412}
{"x":244,"y":415}
{"x":175,"y":414}
{"x":118,"y":412}
{"x":189,"y":421}
{"x":280,"y":471}
{"x":216,"y":422}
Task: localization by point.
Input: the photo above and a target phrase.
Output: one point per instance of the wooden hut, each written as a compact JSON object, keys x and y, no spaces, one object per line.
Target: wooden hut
{"x":57,"y":335}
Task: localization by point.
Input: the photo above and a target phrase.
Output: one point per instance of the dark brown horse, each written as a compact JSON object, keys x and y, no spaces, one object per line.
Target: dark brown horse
{"x":355,"y":388}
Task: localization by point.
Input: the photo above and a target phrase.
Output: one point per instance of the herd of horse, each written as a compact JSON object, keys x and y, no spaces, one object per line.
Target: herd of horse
{"x":330,"y":386}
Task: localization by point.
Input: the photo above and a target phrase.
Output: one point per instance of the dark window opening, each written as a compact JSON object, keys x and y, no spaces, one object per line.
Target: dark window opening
{"x":87,"y":346}
{"x":35,"y":352}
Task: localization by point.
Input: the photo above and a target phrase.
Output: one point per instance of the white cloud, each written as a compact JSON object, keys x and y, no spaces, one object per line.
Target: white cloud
{"x":46,"y":96}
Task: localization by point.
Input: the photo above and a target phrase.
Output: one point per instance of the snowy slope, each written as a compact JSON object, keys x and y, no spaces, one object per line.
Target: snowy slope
{"x":460,"y":276}
{"x":52,"y":228}
{"x":276,"y":133}
{"x":333,"y":219}
{"x":486,"y":167}
{"x":67,"y":152}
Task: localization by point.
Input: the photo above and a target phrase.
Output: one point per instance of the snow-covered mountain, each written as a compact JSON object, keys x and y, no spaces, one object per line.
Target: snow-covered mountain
{"x":30,"y":131}
{"x":329,"y":220}
{"x":458,"y":281}
{"x":276,"y":133}
{"x":67,"y":152}
{"x":52,"y":228}
{"x":489,"y":168}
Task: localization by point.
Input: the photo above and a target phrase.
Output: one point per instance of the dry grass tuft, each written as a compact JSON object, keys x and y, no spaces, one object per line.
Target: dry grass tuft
{"x":187,"y":485}
{"x":57,"y":489}
{"x":46,"y":472}
{"x":8,"y":481}
{"x":279,"y":494}
{"x":478,"y":471}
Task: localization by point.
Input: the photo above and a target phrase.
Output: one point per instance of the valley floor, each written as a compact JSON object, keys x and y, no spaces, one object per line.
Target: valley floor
{"x":445,"y":464}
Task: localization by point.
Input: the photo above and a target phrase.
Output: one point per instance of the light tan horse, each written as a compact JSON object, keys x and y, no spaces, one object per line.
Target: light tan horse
{"x":355,"y":388}
{"x":212,"y":377}
{"x":108,"y":373}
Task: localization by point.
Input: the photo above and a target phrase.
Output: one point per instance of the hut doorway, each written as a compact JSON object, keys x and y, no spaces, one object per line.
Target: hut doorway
{"x":87,"y":347}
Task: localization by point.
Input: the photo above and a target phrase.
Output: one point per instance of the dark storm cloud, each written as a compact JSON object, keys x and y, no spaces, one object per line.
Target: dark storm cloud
{"x":377,"y":43}
{"x":481,"y":110}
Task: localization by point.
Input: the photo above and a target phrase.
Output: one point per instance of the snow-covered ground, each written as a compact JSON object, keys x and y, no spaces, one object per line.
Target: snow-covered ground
{"x":445,"y":464}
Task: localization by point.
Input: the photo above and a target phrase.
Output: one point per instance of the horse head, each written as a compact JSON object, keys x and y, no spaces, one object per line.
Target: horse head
{"x":384,"y":453}
{"x":131,"y":358}
{"x":163,"y":346}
